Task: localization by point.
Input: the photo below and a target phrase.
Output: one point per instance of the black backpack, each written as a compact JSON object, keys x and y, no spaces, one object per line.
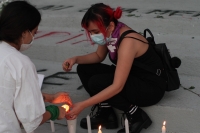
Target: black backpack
{"x":170,"y":64}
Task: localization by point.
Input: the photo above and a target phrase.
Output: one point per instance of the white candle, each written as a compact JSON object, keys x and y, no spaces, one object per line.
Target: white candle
{"x":99,"y":130}
{"x":126,"y":126}
{"x":52,"y":126}
{"x":72,"y":125}
{"x":88,"y":124}
{"x":163,"y":127}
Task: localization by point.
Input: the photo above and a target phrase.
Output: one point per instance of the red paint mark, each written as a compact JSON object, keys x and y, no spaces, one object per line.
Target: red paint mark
{"x":69,"y":39}
{"x":51,"y":33}
{"x":80,"y":41}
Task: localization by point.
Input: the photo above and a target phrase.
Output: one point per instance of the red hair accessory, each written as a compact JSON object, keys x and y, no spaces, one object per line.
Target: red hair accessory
{"x":117,"y":13}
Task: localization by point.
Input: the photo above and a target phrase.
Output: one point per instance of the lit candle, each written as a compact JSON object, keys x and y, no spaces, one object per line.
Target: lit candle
{"x":66,"y":107}
{"x":52,"y":126}
{"x":88,"y":124}
{"x":100,"y":129}
{"x":126,"y":126}
{"x":163,"y":127}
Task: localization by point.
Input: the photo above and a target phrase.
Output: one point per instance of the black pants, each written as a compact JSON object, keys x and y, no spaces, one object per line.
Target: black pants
{"x":96,"y":77}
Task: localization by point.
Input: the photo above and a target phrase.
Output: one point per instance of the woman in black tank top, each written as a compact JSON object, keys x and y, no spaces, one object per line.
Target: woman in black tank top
{"x":121,"y":85}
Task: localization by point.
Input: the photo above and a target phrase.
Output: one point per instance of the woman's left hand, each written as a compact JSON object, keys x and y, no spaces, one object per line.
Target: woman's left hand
{"x":61,"y":97}
{"x":75,"y":111}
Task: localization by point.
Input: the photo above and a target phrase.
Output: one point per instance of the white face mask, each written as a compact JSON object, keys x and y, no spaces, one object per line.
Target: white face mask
{"x":26,"y":46}
{"x":99,"y":38}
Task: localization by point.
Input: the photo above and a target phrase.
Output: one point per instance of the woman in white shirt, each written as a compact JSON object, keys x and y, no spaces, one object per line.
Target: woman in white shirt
{"x":21,"y":100}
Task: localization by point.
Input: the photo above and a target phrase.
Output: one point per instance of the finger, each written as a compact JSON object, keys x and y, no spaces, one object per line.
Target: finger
{"x":63,"y":65}
{"x":68,"y":100}
{"x":67,"y":65}
{"x":65,"y":62}
{"x":64,"y":68}
{"x":70,"y":117}
{"x":70,"y":66}
{"x":70,"y":113}
{"x":67,"y":117}
{"x":73,"y":117}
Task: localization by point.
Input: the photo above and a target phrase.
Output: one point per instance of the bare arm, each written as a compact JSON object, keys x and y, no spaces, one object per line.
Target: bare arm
{"x":46,"y":117}
{"x":47,"y":97}
{"x":94,"y":57}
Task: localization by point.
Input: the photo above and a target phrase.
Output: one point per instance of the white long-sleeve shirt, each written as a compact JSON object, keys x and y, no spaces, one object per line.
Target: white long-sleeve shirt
{"x":20,"y":95}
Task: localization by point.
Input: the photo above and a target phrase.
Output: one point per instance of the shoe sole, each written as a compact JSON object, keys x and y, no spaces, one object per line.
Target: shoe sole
{"x":110,"y":125}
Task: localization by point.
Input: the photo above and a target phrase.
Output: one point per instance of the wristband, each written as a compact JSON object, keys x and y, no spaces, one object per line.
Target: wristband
{"x":54,"y":111}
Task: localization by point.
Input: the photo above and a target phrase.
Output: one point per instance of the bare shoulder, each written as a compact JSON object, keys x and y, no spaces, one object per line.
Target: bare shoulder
{"x":135,"y":35}
{"x":131,"y":43}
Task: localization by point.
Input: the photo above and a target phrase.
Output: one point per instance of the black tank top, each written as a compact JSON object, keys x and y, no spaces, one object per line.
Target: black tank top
{"x":149,"y":58}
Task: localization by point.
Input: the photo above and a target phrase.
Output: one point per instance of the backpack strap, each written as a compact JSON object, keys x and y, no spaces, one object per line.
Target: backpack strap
{"x":126,"y":33}
{"x":147,"y":30}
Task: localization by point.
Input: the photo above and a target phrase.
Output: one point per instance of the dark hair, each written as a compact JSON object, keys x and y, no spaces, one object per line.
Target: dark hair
{"x":17,"y":17}
{"x":102,"y":15}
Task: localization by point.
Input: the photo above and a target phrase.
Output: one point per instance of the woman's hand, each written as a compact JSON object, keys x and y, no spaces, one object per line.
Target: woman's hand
{"x":67,"y":64}
{"x":62,"y":113}
{"x":61,"y":97}
{"x":75,"y":111}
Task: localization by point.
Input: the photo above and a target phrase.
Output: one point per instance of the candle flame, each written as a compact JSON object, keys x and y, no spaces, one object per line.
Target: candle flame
{"x":100,"y":127}
{"x":164,"y":123}
{"x":66,"y":107}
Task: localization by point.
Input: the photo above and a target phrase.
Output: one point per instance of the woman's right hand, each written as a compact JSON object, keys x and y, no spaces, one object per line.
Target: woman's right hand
{"x":62,"y":113}
{"x":75,"y":111}
{"x":67,"y":64}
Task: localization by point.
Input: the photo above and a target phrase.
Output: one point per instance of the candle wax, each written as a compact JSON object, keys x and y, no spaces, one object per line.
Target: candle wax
{"x":99,"y":131}
{"x":163,"y":129}
{"x":89,"y":124}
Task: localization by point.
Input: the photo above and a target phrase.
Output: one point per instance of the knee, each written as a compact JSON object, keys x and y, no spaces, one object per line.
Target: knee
{"x":80,"y":68}
{"x":97,"y":83}
{"x":94,"y":85}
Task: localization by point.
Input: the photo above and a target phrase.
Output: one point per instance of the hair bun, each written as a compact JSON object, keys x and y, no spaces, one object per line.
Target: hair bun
{"x":117,"y":13}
